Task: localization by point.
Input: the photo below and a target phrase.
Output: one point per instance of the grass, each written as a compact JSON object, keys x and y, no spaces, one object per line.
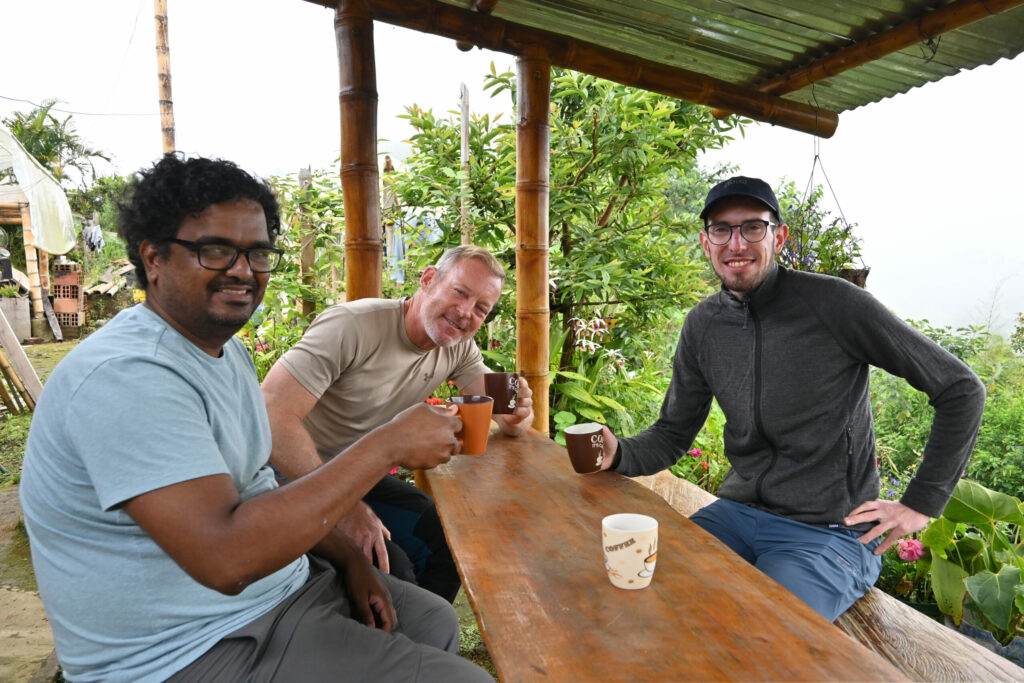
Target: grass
{"x":16,"y":562}
{"x":13,"y":435}
{"x":14,"y":428}
{"x":471,"y":643}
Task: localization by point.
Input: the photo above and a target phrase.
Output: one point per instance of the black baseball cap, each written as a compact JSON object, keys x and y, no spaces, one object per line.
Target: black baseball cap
{"x":742,"y":186}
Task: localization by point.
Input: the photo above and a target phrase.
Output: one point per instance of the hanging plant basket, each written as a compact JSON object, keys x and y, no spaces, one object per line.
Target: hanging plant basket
{"x":858,"y":276}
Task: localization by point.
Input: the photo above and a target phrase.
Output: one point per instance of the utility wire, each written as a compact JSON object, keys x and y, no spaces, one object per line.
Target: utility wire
{"x":77,"y":113}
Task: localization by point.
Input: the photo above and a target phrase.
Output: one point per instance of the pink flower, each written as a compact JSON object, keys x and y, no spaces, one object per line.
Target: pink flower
{"x":910,"y":549}
{"x":394,"y":470}
{"x":262,"y":348}
{"x":696,"y":452}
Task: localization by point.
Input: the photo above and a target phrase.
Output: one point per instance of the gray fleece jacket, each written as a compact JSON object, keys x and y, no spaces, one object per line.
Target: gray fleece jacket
{"x":789,"y":367}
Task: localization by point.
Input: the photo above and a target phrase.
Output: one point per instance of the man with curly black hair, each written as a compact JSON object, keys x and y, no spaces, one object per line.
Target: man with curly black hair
{"x":163,"y":547}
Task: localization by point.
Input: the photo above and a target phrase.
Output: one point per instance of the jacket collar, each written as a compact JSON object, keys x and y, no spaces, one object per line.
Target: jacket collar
{"x":765,"y":292}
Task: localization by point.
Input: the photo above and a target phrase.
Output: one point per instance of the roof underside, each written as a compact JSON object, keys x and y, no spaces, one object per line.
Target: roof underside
{"x":747,"y":42}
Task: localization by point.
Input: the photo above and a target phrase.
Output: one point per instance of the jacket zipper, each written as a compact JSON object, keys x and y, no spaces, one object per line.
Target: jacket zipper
{"x":849,"y":466}
{"x":758,"y":422}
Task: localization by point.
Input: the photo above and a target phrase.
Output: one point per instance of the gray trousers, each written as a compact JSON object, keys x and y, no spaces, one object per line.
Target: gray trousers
{"x":311,"y":637}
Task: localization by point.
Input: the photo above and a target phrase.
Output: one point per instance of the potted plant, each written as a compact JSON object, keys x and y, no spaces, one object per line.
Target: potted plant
{"x":15,"y":308}
{"x":819,"y":242}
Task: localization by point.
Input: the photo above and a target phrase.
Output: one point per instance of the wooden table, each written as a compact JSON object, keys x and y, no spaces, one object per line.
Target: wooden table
{"x":525,"y":532}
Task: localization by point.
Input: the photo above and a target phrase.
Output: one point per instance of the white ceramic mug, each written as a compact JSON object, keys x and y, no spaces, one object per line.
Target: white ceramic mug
{"x":630,"y":544}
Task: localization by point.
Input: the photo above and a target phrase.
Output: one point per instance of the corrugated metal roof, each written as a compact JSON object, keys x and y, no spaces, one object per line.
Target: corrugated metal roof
{"x":746,"y":42}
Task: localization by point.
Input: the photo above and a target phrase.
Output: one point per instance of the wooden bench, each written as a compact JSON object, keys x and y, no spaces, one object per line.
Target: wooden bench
{"x":923,"y":649}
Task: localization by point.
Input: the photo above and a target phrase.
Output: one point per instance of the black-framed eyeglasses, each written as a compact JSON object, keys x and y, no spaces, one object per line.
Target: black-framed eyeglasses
{"x":214,"y":256}
{"x":752,"y":230}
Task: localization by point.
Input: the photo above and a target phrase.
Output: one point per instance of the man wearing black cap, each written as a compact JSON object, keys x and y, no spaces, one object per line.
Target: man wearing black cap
{"x":787,"y":355}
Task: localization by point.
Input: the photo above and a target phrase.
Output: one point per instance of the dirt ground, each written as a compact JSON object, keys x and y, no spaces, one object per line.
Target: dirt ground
{"x":26,"y":643}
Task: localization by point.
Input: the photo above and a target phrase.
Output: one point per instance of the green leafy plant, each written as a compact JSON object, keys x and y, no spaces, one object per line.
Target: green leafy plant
{"x":705,"y":463}
{"x":818,"y":241}
{"x":562,"y":419}
{"x":10,"y":292}
{"x":1017,"y":337}
{"x":54,"y":142}
{"x":905,"y":574}
{"x":583,"y":392}
{"x":977,"y":557}
{"x":625,"y":180}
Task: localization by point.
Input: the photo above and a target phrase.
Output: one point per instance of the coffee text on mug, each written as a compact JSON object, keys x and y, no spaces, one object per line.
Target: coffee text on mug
{"x":620,"y":546}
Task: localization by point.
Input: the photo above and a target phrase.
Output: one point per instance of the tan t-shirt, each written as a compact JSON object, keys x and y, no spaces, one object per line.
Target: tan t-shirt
{"x":357,"y":359}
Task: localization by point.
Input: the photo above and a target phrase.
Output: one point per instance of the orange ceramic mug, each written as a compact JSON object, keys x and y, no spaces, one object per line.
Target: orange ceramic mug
{"x":475,"y":413}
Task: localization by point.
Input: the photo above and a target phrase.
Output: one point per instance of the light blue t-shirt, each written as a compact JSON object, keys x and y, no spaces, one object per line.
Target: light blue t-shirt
{"x":136,"y":407}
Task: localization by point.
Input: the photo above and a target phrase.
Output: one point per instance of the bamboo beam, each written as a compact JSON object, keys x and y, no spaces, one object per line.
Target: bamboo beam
{"x":31,"y":262}
{"x":486,"y":31}
{"x":357,"y":95}
{"x":10,"y":214}
{"x":7,"y":399}
{"x":163,"y":67}
{"x":533,"y":314}
{"x":18,"y":392}
{"x":925,"y":27}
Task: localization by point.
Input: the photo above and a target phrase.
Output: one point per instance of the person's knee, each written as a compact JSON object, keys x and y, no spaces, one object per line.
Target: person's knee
{"x":729,"y":522}
{"x":443,"y":624}
{"x":425,"y":617}
{"x":829,"y":576}
{"x":451,"y":668}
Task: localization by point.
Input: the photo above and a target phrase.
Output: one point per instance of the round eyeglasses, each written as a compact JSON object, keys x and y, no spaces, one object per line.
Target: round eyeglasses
{"x":752,"y":230}
{"x":222,"y":256}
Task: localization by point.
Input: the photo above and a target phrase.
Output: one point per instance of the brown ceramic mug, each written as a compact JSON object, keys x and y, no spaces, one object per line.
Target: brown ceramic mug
{"x":475,"y":413}
{"x":585,"y":443}
{"x":503,"y":387}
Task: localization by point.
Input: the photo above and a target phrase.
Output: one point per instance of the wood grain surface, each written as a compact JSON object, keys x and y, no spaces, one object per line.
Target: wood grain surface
{"x":923,"y":649}
{"x":525,"y":532}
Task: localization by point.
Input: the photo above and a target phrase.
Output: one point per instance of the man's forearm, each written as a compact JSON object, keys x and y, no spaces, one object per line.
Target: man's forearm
{"x":294,"y":454}
{"x":226,"y":543}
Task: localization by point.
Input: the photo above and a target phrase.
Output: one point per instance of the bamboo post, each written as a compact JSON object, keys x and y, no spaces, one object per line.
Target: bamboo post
{"x":24,"y":379}
{"x":12,"y":406}
{"x":533,"y":315}
{"x":389,"y":210}
{"x":163,"y":66}
{"x":306,"y":246}
{"x":44,"y":270}
{"x":19,"y":391}
{"x":31,"y":262}
{"x":467,"y":228}
{"x":357,"y":96}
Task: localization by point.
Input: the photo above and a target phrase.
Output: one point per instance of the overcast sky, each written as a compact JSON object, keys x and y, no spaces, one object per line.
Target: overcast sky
{"x":926,"y":176}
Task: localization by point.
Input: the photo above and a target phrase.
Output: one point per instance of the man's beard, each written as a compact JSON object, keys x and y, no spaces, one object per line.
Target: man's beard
{"x":434,"y":329}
